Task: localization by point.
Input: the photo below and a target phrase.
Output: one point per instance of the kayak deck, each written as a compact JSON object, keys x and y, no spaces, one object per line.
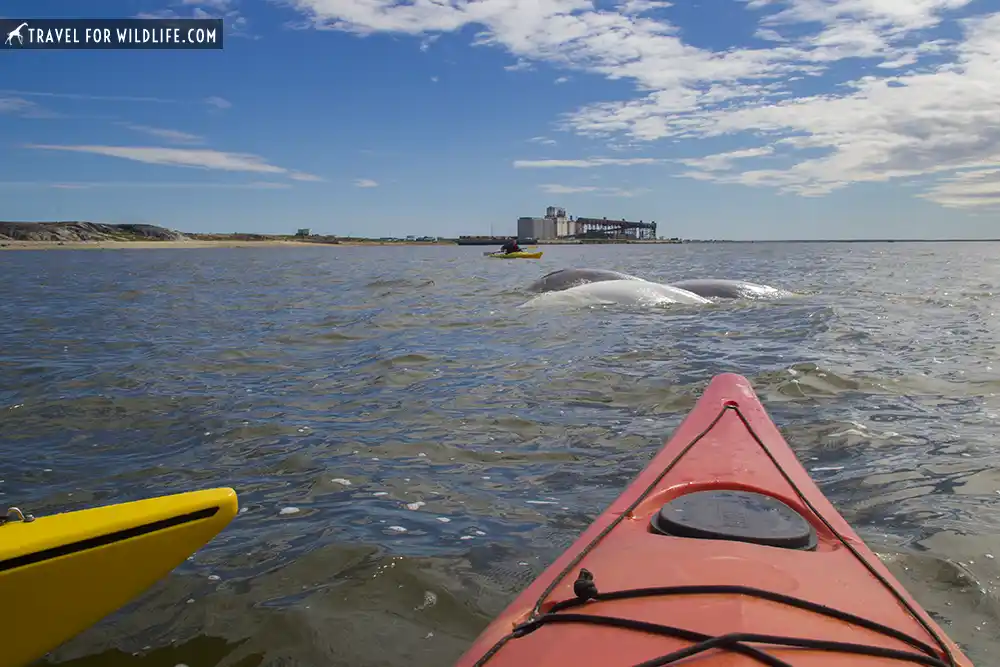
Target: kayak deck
{"x":722,"y":552}
{"x":62,"y":573}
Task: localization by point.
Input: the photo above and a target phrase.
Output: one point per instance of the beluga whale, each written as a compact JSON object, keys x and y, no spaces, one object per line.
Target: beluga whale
{"x":626,"y":292}
{"x":709,"y":288}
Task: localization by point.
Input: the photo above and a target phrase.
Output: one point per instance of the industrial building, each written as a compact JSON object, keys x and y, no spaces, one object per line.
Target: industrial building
{"x":556,"y":225}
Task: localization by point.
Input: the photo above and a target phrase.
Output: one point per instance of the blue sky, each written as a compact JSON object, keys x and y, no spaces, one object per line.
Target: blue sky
{"x":716,"y":118}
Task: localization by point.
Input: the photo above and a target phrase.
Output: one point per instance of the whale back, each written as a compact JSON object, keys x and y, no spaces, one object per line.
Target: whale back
{"x":567,"y":278}
{"x":730,"y":289}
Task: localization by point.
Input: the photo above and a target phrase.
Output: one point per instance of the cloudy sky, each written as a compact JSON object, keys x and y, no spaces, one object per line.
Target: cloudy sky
{"x":716,"y":118}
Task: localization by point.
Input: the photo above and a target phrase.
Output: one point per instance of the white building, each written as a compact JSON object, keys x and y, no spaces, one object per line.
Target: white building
{"x":554,"y":225}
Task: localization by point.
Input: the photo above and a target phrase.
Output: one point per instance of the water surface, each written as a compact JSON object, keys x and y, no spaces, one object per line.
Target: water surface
{"x":410,"y":447}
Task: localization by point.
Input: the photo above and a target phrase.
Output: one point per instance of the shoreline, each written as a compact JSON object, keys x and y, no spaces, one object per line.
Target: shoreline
{"x":191,"y":245}
{"x":195,"y":244}
{"x":136,"y":245}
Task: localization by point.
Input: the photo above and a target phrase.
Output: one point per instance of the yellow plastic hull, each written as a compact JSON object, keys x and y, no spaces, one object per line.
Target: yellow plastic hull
{"x":516,"y":255}
{"x":62,"y":573}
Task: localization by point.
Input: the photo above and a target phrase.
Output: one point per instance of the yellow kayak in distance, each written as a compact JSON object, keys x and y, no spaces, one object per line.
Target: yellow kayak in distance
{"x":62,"y":573}
{"x":515,"y":255}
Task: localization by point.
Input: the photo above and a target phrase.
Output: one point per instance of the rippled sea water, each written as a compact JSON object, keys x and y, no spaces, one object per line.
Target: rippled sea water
{"x":442,"y":445}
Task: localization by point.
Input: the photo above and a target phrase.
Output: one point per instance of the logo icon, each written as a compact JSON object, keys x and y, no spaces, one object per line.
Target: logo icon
{"x":16,"y":32}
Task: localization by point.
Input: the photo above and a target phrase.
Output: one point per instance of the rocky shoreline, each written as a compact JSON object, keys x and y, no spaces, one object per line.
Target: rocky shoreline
{"x":76,"y":231}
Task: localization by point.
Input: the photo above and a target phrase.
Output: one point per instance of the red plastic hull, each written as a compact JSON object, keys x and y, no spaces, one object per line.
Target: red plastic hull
{"x":725,"y":455}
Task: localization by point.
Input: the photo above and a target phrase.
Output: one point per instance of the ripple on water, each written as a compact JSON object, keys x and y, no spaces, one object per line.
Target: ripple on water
{"x":437,"y":442}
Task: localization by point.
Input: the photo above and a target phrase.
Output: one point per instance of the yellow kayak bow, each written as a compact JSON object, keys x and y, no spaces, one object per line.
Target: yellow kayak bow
{"x":515,"y":255}
{"x":62,"y":573}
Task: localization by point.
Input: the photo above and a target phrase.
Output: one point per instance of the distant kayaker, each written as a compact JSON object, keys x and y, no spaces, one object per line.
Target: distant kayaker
{"x":510,"y":247}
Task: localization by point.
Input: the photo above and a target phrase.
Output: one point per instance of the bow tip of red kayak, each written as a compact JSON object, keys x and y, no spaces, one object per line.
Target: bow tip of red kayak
{"x":732,"y":389}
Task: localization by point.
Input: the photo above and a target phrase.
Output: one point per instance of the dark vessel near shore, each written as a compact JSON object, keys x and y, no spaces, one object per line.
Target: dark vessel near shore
{"x":481,"y":240}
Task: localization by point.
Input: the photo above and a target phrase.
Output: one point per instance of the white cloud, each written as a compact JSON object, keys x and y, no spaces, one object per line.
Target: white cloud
{"x":85,"y":97}
{"x":979,"y":188}
{"x":583,"y":164}
{"x":88,"y":185}
{"x":518,"y":66}
{"x":886,"y":128}
{"x":184,"y":157}
{"x":769,"y":35}
{"x":894,"y":15}
{"x":557,"y":189}
{"x":938,"y":115}
{"x":365,"y":183}
{"x":302,"y":176}
{"x":217,"y":102}
{"x":178,"y":157}
{"x":173,"y":136}
{"x":18,"y":106}
{"x":562,"y":79}
{"x":235,"y":23}
{"x":158,"y":14}
{"x":544,"y":141}
{"x":636,"y":7}
{"x":724,"y":161}
{"x":219,"y":5}
{"x":629,"y":146}
{"x":621,"y":192}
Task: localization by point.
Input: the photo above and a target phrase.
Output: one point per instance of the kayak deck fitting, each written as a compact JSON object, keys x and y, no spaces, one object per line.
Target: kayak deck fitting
{"x":723,"y":552}
{"x":62,"y":573}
